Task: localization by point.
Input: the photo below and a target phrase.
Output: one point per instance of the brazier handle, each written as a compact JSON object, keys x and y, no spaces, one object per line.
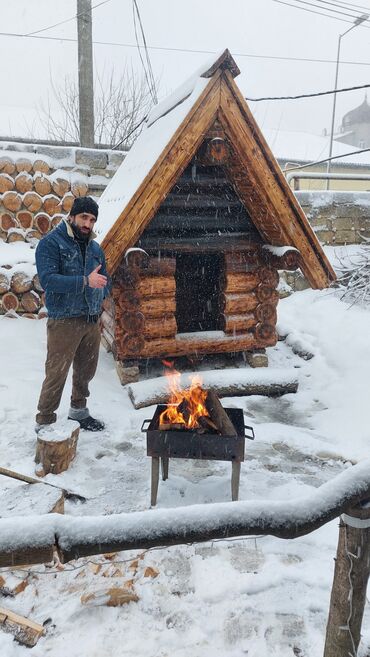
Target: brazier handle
{"x":250,"y":429}
{"x":142,"y":426}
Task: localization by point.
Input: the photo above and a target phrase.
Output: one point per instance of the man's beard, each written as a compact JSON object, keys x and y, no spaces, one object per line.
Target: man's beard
{"x":81,"y":234}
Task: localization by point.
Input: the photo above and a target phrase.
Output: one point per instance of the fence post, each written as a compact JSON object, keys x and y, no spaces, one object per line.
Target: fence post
{"x":348,"y":594}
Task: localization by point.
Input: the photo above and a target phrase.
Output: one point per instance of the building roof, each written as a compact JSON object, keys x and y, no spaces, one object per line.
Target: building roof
{"x":174,"y":131}
{"x":360,"y":114}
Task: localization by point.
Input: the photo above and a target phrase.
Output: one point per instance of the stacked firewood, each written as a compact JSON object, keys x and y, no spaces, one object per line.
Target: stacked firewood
{"x":21,"y":293}
{"x":32,"y":199}
{"x":143,"y":305}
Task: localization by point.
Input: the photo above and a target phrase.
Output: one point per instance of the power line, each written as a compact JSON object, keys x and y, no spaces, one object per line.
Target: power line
{"x":67,"y":20}
{"x":148,"y":71}
{"x":312,"y":95}
{"x":344,"y":5}
{"x":335,"y":11}
{"x":192,"y":51}
{"x":311,"y":11}
{"x":328,"y":159}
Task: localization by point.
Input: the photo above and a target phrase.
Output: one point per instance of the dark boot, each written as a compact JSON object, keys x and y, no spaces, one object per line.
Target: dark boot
{"x":89,"y":423}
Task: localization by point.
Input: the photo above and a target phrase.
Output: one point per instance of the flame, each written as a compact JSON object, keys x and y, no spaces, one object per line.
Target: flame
{"x":193,"y":399}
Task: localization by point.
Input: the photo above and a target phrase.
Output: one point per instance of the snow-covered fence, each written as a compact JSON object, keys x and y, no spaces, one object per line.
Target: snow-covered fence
{"x":33,"y":540}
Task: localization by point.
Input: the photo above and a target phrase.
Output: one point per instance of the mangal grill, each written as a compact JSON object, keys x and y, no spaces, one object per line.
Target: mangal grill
{"x":207,"y":444}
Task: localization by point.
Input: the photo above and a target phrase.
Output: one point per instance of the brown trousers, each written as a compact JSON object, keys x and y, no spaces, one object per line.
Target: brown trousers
{"x":71,"y":340}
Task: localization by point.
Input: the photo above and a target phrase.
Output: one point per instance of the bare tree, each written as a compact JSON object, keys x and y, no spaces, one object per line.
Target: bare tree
{"x":120,"y":105}
{"x":354,"y":276}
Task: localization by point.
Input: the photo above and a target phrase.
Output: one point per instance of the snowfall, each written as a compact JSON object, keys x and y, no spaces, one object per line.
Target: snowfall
{"x":255,"y":596}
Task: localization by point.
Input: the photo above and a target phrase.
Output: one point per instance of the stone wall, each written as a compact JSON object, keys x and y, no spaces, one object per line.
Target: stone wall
{"x":337,"y":218}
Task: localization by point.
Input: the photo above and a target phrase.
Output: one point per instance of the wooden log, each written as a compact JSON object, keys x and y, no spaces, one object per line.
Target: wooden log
{"x":51,"y":204}
{"x":136,"y":259}
{"x":24,"y":630}
{"x":16,"y":235}
{"x":198,"y":344}
{"x":9,"y":301}
{"x":6,"y":183}
{"x":243,"y":261}
{"x":4,"y":283}
{"x":56,"y":219}
{"x":130,"y":299}
{"x":7,"y":221}
{"x":244,"y":382}
{"x":348,"y":594}
{"x":20,"y":282}
{"x":56,"y":448}
{"x":36,"y":283}
{"x":129,"y":278}
{"x":154,"y":286}
{"x":266,"y":312}
{"x":23,"y":182}
{"x":217,"y":151}
{"x":41,"y":184}
{"x":235,"y":304}
{"x":127,"y":373}
{"x":67,"y":202}
{"x":109,"y":306}
{"x":23,"y":164}
{"x":79,"y":188}
{"x":238,"y":323}
{"x":157,"y":266}
{"x":7,"y":165}
{"x":108,"y":320}
{"x":12,"y":201}
{"x":289,"y":260}
{"x":269,"y":276}
{"x":266,"y":294}
{"x":264,"y":331}
{"x":161,"y":327}
{"x":150,"y":307}
{"x":131,"y":344}
{"x":32,"y":201}
{"x":32,"y":235}
{"x":218,"y":415}
{"x":233,"y":283}
{"x":113,"y":597}
{"x":25,"y":219}
{"x":110,"y":341}
{"x":30,"y":301}
{"x":61,"y":186}
{"x":132,"y":322}
{"x":40,"y":166}
{"x":42,"y":222}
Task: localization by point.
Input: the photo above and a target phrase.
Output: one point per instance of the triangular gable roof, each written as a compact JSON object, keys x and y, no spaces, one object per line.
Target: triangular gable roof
{"x":174,"y":131}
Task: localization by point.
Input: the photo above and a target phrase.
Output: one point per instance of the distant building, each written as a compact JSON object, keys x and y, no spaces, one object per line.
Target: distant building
{"x":355,"y":126}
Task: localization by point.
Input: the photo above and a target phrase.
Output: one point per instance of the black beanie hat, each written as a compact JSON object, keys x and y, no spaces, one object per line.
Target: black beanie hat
{"x":83,"y":204}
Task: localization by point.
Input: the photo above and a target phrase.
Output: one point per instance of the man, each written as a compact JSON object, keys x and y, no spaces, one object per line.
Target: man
{"x":72,"y":271}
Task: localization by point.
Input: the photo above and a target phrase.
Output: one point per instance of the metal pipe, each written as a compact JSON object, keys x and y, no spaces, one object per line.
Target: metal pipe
{"x":326,"y":176}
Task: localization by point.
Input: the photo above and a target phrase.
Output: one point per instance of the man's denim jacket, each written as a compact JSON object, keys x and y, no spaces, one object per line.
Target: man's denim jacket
{"x":61,"y":272}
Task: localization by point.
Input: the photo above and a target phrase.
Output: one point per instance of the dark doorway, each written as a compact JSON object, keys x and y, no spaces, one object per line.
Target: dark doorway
{"x":197,"y":292}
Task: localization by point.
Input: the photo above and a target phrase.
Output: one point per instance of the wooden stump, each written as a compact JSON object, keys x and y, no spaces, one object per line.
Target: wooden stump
{"x":56,"y":447}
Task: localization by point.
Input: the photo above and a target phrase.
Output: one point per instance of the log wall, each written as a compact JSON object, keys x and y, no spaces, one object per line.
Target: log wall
{"x":140,"y":319}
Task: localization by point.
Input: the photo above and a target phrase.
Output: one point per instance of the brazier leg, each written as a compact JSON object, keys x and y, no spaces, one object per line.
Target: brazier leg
{"x":164,"y":463}
{"x":155,"y":480}
{"x":235,"y":479}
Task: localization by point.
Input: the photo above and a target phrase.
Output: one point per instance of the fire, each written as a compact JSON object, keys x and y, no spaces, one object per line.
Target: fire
{"x":185,"y":407}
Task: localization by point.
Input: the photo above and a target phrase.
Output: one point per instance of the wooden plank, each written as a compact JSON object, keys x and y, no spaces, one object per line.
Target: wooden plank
{"x":163,"y":175}
{"x":24,"y":630}
{"x":27,"y":555}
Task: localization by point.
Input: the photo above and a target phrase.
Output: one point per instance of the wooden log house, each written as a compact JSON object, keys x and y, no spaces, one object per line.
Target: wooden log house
{"x":196,"y":224}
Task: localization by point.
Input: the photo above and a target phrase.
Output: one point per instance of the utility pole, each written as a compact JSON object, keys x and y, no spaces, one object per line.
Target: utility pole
{"x":85,"y":73}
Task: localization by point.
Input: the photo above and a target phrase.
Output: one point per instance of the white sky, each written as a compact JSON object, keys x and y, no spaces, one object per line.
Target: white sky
{"x":252,"y":27}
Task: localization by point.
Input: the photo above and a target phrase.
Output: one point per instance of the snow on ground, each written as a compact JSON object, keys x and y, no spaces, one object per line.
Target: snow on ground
{"x":259,"y":596}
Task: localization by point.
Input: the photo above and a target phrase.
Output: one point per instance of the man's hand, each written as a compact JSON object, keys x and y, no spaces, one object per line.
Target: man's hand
{"x":97,"y":280}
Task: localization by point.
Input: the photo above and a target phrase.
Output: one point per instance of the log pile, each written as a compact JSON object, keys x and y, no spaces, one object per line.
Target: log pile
{"x":21,"y":293}
{"x":32,"y":199}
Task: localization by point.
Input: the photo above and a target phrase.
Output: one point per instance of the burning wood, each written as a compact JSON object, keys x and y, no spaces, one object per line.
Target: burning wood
{"x":194,"y":408}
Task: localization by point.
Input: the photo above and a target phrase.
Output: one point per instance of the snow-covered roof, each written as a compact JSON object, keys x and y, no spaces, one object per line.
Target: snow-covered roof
{"x":304,"y":147}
